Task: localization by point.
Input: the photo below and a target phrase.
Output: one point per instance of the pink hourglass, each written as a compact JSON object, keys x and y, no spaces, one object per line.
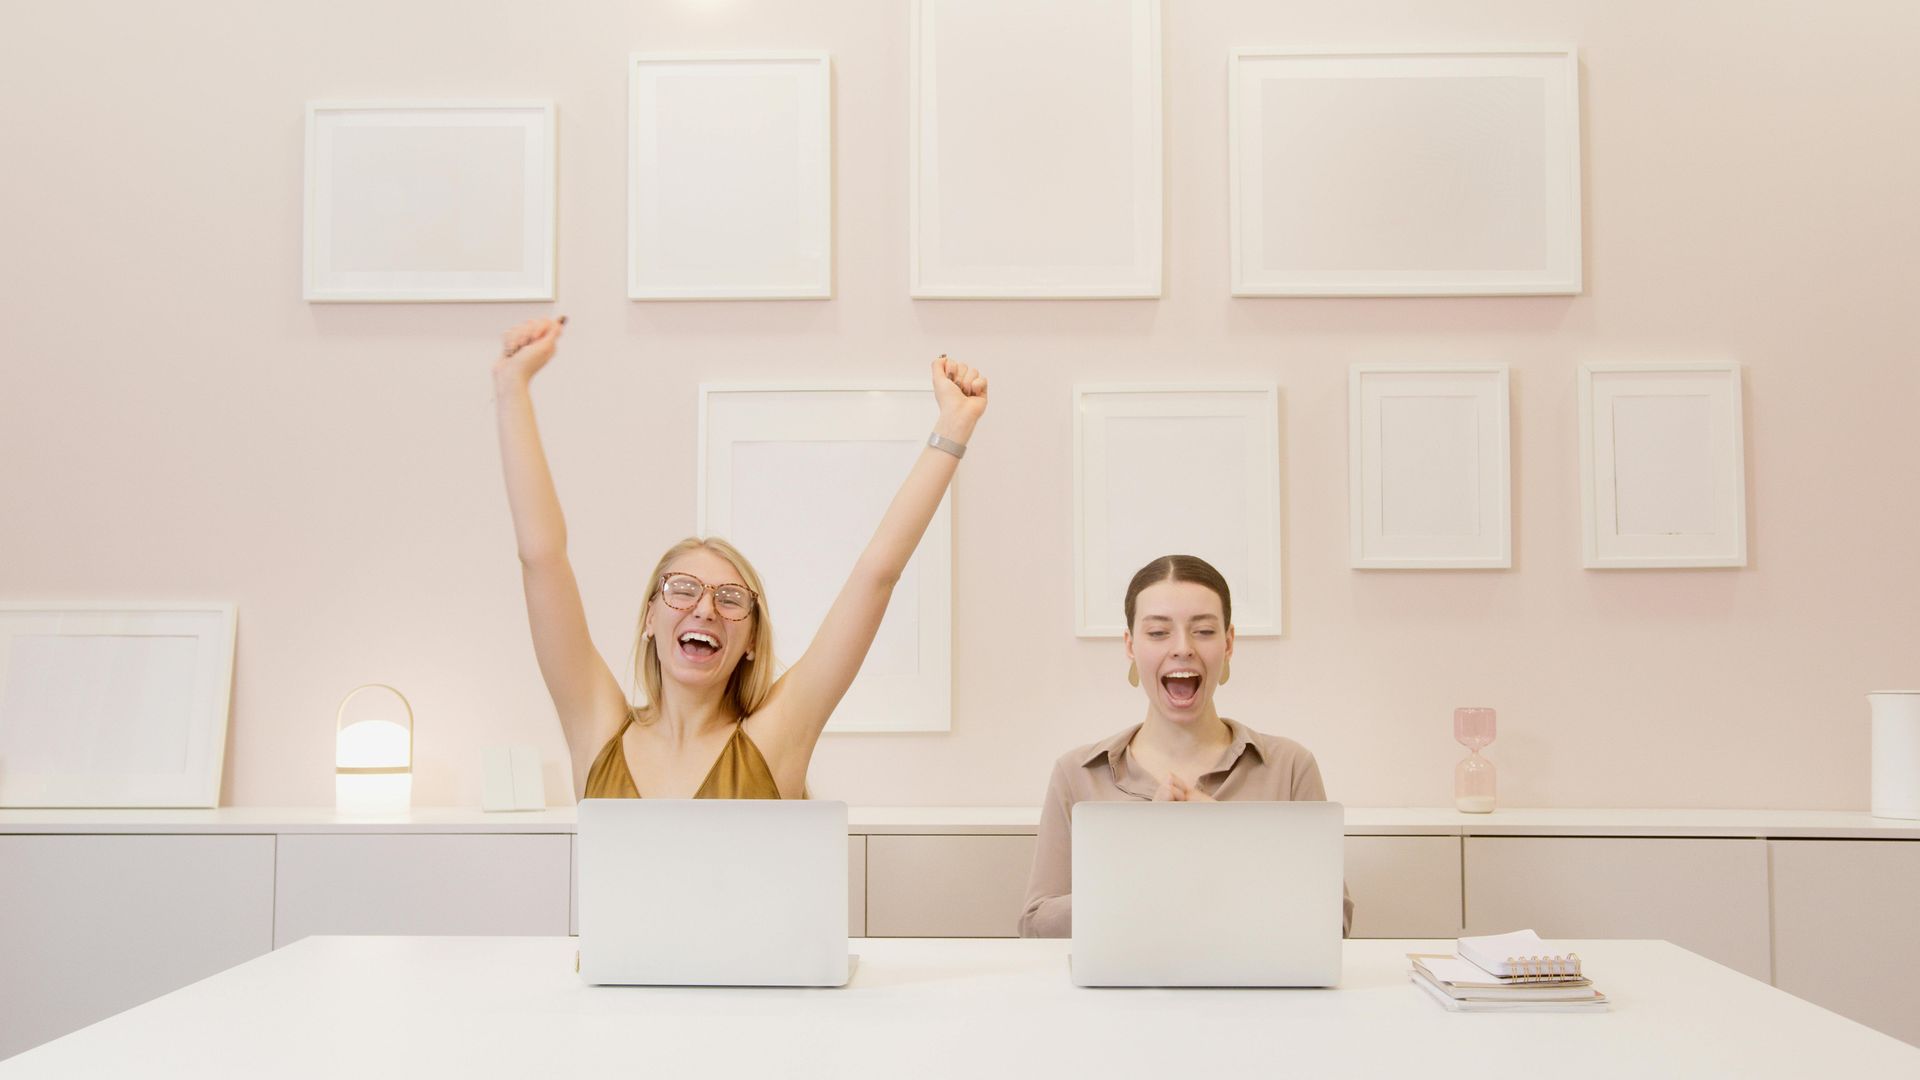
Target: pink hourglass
{"x":1473,"y":785}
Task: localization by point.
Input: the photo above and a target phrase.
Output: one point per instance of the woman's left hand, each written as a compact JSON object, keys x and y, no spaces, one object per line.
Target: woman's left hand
{"x":961,"y":393}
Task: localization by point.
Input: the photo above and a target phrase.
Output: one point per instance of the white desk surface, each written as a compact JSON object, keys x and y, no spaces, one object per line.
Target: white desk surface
{"x":988,"y":820}
{"x":513,"y":1007}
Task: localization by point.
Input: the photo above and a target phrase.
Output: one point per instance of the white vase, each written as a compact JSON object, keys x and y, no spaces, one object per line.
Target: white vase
{"x":1896,"y":753}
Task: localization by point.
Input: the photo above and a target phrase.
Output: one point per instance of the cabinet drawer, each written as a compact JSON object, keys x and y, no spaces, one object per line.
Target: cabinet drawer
{"x":513,"y":883}
{"x":1709,"y":896}
{"x":946,"y":886}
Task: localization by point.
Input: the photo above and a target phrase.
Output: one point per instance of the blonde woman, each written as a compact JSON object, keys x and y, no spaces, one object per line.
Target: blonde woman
{"x":716,"y":723}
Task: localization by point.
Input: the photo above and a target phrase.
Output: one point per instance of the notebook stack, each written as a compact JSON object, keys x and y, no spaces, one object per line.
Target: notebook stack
{"x":1506,"y":973}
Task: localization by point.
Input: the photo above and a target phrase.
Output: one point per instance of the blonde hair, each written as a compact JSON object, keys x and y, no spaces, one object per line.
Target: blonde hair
{"x":752,"y":678}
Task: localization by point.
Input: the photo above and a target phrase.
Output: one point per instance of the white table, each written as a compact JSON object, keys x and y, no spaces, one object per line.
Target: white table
{"x":513,"y":1007}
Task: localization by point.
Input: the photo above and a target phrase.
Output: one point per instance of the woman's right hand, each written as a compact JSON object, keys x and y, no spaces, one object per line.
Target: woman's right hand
{"x":526,"y":348}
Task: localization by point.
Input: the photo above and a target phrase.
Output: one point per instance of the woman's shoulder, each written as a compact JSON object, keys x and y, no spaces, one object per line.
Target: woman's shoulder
{"x":1274,"y":749}
{"x":1082,"y":757}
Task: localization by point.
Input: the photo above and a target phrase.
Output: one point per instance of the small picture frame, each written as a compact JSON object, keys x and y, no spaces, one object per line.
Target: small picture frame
{"x":1404,"y":174}
{"x":798,"y":478}
{"x":1430,"y":483}
{"x":1191,"y":469}
{"x":730,"y":176}
{"x":114,"y":705}
{"x":1662,"y":465}
{"x":429,"y":201}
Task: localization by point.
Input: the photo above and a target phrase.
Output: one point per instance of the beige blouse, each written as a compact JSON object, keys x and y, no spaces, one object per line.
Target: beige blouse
{"x":1256,"y":767}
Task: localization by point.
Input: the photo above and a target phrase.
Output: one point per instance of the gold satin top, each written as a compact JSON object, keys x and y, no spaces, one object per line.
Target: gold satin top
{"x":740,"y":772}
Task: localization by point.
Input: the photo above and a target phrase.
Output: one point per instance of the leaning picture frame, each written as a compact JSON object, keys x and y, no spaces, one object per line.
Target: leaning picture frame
{"x":1404,"y":174}
{"x":1430,"y":470}
{"x":1034,"y":153}
{"x":114,"y":705}
{"x":730,"y":176}
{"x":420,"y":201}
{"x":1134,"y":501}
{"x":1662,"y":465}
{"x":798,"y":476}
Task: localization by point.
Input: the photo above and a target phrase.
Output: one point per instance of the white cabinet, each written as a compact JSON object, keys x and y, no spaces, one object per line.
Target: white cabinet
{"x":1404,"y":886}
{"x":92,"y":925}
{"x":1844,"y":934}
{"x":856,"y":886}
{"x":1706,"y":895}
{"x":421,"y":883}
{"x":946,"y":886}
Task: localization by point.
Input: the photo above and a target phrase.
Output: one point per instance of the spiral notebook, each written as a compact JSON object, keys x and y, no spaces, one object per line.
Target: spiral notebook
{"x":1519,"y":957}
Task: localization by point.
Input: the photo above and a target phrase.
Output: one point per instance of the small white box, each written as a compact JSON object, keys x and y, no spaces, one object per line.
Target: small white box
{"x":510,"y":779}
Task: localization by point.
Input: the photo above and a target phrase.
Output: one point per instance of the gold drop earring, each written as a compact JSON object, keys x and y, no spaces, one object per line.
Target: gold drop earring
{"x":1133,"y":674}
{"x":1226,"y":671}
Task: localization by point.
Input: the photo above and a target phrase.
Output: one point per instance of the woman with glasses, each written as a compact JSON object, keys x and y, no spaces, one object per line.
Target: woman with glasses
{"x":1179,"y":641}
{"x":715,"y":723}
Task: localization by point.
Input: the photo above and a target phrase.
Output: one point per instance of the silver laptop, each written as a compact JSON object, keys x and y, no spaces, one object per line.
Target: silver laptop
{"x":1207,"y":894}
{"x":713,"y":892}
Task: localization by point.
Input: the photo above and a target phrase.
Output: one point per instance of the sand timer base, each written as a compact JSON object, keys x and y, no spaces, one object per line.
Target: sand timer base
{"x":1473,"y":785}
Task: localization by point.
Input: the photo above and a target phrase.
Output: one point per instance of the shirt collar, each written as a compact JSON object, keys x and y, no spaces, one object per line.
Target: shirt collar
{"x":1114,"y":746}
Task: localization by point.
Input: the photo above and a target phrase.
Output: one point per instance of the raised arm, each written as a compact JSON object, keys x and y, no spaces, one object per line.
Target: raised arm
{"x":584,"y":691}
{"x":805,"y":696}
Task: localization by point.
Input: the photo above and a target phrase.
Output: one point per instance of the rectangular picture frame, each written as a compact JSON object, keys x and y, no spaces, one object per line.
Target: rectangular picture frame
{"x":798,"y":476}
{"x":1013,"y":193}
{"x":1662,"y":465}
{"x":1404,"y":173}
{"x":429,"y":201}
{"x":114,"y":704}
{"x":1140,"y":492}
{"x":1430,"y":484}
{"x":730,"y":176}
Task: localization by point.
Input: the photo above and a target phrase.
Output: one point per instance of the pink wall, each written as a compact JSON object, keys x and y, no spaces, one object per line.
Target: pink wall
{"x":176,"y":423}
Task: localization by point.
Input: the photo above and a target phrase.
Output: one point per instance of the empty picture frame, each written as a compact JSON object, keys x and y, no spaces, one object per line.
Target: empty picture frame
{"x":730,"y":176}
{"x":1405,"y":174}
{"x":430,"y":201}
{"x":1662,"y":465}
{"x":1430,"y":467}
{"x":114,"y":706}
{"x":798,"y":478}
{"x":1035,"y":158}
{"x":1176,"y":470}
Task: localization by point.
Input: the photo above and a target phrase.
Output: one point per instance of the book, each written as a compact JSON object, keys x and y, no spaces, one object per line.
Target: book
{"x":1519,"y":955}
{"x":1596,"y":1003}
{"x":1464,"y":981}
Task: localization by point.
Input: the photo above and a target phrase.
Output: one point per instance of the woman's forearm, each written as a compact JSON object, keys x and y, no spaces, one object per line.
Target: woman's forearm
{"x":539,"y":528}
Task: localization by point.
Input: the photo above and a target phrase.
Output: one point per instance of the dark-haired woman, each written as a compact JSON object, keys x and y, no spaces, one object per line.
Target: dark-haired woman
{"x":1179,"y":640}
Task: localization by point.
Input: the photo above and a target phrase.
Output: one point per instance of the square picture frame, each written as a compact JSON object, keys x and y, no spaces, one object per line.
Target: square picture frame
{"x":1430,"y":467}
{"x":429,"y":201}
{"x":1405,"y":173}
{"x":1013,"y":192}
{"x":114,"y":704}
{"x":1135,"y":500}
{"x":798,"y":476}
{"x":1662,"y":465}
{"x":730,"y":176}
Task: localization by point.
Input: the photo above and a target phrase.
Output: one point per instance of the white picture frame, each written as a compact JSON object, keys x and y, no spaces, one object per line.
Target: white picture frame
{"x":1430,"y":467}
{"x":1176,"y":469}
{"x":1014,"y":191}
{"x":114,"y":705}
{"x":730,"y":176}
{"x":1662,"y":465}
{"x":410,"y":201}
{"x":1404,"y":174}
{"x":798,"y":477}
